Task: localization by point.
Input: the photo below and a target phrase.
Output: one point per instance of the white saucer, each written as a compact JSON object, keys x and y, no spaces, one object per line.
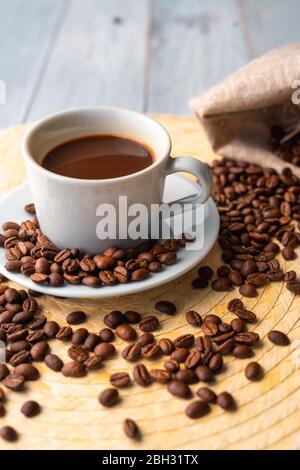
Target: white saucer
{"x":177,"y":187}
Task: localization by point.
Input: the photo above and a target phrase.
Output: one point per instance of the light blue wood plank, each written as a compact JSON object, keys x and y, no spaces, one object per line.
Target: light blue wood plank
{"x":195,"y":43}
{"x":27,"y":29}
{"x":271,"y":23}
{"x":98,"y":58}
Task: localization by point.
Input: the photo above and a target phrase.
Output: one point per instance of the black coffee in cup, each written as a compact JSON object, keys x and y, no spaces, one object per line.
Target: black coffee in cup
{"x":98,"y":157}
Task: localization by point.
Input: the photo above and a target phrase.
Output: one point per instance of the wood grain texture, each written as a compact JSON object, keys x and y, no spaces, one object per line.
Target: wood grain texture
{"x":194,"y":45}
{"x":26,"y":34}
{"x":270,"y":24}
{"x":268,"y":411}
{"x":98,"y":58}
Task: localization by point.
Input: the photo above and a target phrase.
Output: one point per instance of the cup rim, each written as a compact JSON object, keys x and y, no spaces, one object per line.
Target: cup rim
{"x":67,"y":179}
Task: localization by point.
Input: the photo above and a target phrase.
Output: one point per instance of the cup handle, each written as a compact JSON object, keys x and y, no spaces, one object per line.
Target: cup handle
{"x":196,"y":168}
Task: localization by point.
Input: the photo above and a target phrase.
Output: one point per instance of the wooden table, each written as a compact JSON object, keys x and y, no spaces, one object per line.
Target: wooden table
{"x":268,"y":412}
{"x":149,"y":55}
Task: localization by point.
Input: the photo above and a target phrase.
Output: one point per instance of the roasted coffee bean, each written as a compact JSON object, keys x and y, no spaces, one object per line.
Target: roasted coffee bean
{"x":54,"y":362}
{"x":105,"y":350}
{"x":194,"y":318}
{"x":14,"y":382}
{"x":205,"y":271}
{"x":39,"y":350}
{"x":8,"y":434}
{"x":254,"y":371}
{"x":226,"y":401}
{"x":164,"y":306}
{"x":120,"y":379}
{"x":179,"y":389}
{"x":187,"y":376}
{"x":30,"y":305}
{"x":30,"y":408}
{"x":278,"y":337}
{"x":237,"y":325}
{"x":222,"y":284}
{"x":161,"y":376}
{"x":65,"y":333}
{"x":74,"y":369}
{"x":93,"y":362}
{"x":139,"y":275}
{"x":288,"y":253}
{"x":212,"y":318}
{"x":224,"y":328}
{"x":248,"y":290}
{"x":122,"y":274}
{"x":141,"y":375}
{"x":131,"y":429}
{"x":245,"y":315}
{"x":106,"y":335}
{"x":209,"y":328}
{"x":146,"y":338}
{"x":13,"y":266}
{"x":184,"y":341}
{"x":78,"y":353}
{"x":4,"y":371}
{"x":132,"y":352}
{"x":114,"y":319}
{"x":249,"y":338}
{"x":289,"y":276}
{"x":109,"y":397}
{"x":37,"y":323}
{"x":204,"y":374}
{"x":225,"y":347}
{"x":42,"y":265}
{"x":236,"y":278}
{"x":91,"y":281}
{"x":79,"y":336}
{"x":20,"y":358}
{"x":171,"y":365}
{"x":294,"y":287}
{"x":222,"y":338}
{"x":223,"y":271}
{"x":104,"y":262}
{"x":215,"y":363}
{"x":17,"y":335}
{"x":242,"y":351}
{"x":132,"y":317}
{"x":39,"y":278}
{"x":51,"y":329}
{"x":207,"y":395}
{"x":75,"y":318}
{"x":180,"y":355}
{"x":154,"y":267}
{"x":19,"y":346}
{"x":14,"y":308}
{"x":125,"y":332}
{"x":22,"y":317}
{"x":197,"y":409}
{"x":193,"y":360}
{"x":12,"y":296}
{"x":28,"y":371}
{"x":200,"y":283}
{"x":91,"y":341}
{"x":166,"y":346}
{"x":151,"y":351}
{"x":149,"y":324}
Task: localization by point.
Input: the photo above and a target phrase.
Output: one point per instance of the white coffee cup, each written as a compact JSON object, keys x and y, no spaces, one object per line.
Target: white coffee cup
{"x":66,"y":207}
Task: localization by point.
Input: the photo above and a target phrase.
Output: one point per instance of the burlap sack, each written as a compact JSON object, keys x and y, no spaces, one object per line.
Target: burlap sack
{"x":239,"y":112}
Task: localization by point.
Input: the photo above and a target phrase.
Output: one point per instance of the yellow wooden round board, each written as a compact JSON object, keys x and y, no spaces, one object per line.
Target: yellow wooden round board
{"x":268,"y":414}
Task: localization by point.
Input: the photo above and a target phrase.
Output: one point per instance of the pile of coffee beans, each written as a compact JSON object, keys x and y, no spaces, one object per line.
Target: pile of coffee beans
{"x":184,"y":361}
{"x":30,"y":252}
{"x":260,"y":217}
{"x":288,"y":151}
